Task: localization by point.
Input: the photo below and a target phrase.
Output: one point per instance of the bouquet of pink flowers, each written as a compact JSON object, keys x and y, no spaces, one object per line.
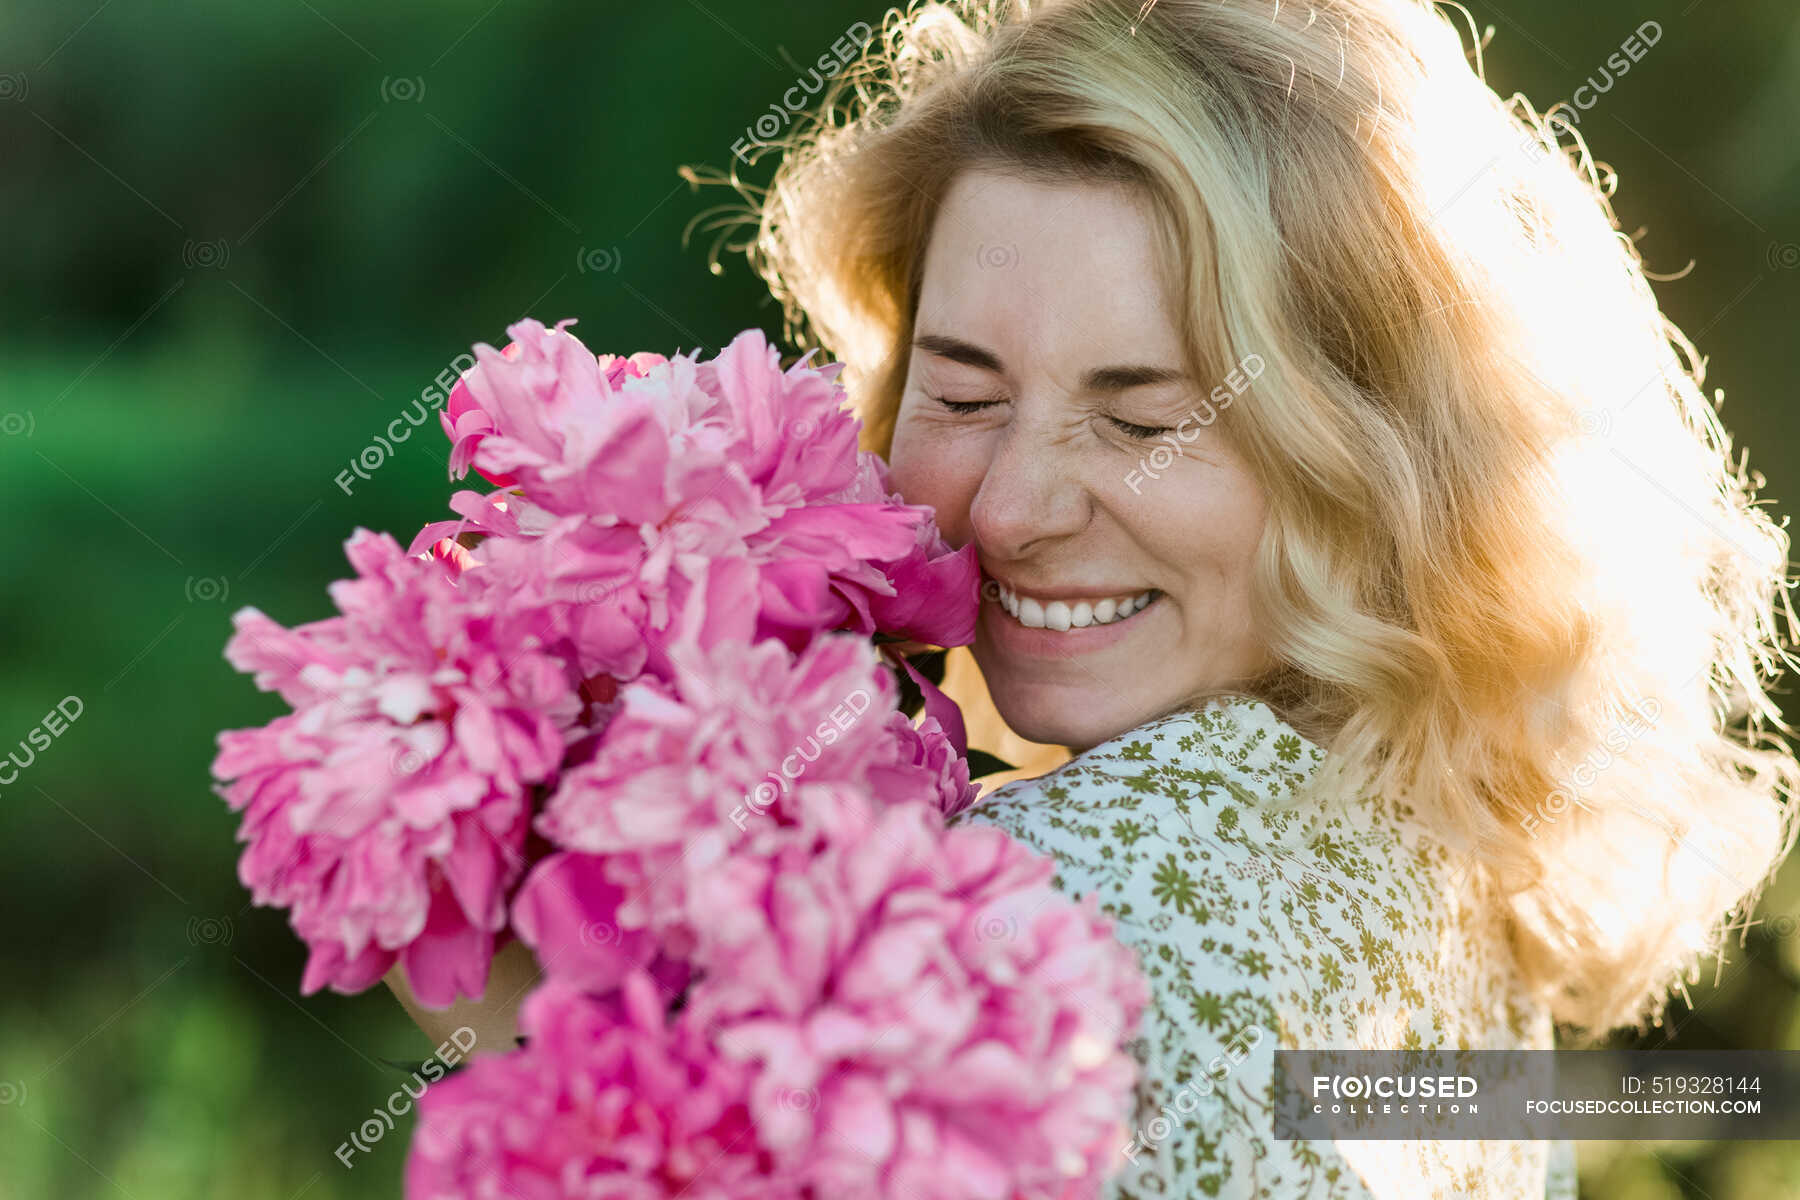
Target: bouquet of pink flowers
{"x":630,"y":709}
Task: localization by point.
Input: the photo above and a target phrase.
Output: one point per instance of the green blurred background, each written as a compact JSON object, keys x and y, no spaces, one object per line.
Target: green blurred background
{"x":241,"y":238}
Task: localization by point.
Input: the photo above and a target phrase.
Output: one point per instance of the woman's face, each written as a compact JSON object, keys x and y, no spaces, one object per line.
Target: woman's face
{"x":1046,"y":370}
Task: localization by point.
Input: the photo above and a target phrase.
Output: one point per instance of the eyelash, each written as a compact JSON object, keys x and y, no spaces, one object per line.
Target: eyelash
{"x":961,"y":407}
{"x":1140,"y":432}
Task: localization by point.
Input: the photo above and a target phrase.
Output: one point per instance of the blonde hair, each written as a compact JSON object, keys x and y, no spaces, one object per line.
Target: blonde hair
{"x":1511,"y":570}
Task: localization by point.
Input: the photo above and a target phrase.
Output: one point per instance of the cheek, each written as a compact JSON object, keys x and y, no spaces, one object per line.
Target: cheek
{"x":1215,"y":529}
{"x":943,"y":470}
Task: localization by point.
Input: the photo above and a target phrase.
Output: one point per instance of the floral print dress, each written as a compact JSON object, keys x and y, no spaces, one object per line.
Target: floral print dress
{"x":1264,"y":921}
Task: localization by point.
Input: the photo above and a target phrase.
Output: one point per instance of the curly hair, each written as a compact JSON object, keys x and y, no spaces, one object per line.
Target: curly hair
{"x":1512,"y":569}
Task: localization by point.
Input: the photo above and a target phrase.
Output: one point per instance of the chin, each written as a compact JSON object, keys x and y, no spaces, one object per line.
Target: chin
{"x":1061,"y":718}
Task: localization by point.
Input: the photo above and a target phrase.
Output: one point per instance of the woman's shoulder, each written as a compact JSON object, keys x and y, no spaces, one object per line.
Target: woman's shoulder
{"x":1223,"y":783}
{"x":1230,"y":749}
{"x":1324,"y":916}
{"x":1268,"y":914}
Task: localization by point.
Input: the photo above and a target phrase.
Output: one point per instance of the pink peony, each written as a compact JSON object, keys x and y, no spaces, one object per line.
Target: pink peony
{"x":465,"y":423}
{"x":389,"y":811}
{"x":635,"y":366}
{"x":567,"y":912}
{"x":455,"y":556}
{"x":928,"y":592}
{"x":788,"y":430}
{"x":953,"y":1022}
{"x":745,"y":740}
{"x":694,"y":461}
{"x":626,"y":708}
{"x":552,"y":419}
{"x":926,"y":747}
{"x":588,"y":581}
{"x":607,"y":1101}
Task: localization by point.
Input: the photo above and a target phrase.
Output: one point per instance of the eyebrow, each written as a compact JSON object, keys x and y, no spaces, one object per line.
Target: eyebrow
{"x":1100,"y":379}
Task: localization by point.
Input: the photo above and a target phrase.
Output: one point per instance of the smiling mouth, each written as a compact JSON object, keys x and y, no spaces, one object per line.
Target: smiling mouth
{"x":1063,"y":616}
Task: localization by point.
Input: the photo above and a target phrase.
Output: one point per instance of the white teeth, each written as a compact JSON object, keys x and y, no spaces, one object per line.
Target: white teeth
{"x":1063,"y":616}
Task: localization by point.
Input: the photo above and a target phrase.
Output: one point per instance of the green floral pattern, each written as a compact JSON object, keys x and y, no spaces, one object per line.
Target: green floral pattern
{"x":1265,"y":921}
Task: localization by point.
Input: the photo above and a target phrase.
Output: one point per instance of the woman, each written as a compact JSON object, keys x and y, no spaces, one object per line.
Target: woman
{"x":1345,"y":505}
{"x":1344,"y":502}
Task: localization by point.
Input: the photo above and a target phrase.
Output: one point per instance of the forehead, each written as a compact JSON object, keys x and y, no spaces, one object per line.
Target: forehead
{"x":1060,"y":272}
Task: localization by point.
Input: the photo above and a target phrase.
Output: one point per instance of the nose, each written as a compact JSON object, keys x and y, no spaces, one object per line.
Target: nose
{"x":1031,"y":495}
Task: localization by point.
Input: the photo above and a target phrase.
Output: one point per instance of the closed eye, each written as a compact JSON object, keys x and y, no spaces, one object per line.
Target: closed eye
{"x":1141,"y":432}
{"x":965,"y":406}
{"x":962,"y":407}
